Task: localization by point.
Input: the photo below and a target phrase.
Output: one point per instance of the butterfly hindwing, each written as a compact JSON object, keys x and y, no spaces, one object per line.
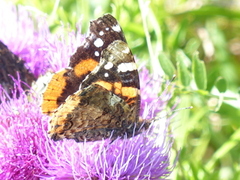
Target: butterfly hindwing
{"x":108,"y":102}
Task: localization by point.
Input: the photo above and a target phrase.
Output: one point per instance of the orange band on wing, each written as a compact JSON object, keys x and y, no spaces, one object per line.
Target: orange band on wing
{"x":84,"y":67}
{"x":117,"y":88}
{"x":130,"y":94}
{"x":54,"y":90}
{"x":104,"y":84}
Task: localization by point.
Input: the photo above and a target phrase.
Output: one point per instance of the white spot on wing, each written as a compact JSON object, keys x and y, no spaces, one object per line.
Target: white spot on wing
{"x":101,"y":33}
{"x":116,"y":28}
{"x":107,"y":28}
{"x":96,"y":53}
{"x":124,"y":67}
{"x":106,"y":75}
{"x":109,"y":65}
{"x":98,"y":42}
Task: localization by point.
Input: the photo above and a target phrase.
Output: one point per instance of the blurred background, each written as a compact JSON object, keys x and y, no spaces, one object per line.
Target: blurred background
{"x":199,"y":41}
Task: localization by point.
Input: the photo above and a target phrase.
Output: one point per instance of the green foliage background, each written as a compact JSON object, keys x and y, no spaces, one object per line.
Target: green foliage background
{"x":176,"y":34}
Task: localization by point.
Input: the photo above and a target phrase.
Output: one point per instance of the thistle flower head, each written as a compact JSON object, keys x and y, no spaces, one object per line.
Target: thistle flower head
{"x":30,"y":42}
{"x":25,"y":150}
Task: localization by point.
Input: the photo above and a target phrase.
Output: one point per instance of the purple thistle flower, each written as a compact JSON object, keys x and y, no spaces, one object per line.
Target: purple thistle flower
{"x":151,"y":103}
{"x":25,"y":150}
{"x":30,"y":43}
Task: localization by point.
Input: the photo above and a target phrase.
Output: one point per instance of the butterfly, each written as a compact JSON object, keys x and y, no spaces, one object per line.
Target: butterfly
{"x":98,"y":95}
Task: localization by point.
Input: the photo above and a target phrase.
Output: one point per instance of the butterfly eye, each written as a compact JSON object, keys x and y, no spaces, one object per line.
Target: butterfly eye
{"x":68,"y":125}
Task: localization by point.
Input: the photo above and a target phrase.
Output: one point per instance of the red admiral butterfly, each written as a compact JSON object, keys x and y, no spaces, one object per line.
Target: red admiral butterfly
{"x":98,"y":95}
